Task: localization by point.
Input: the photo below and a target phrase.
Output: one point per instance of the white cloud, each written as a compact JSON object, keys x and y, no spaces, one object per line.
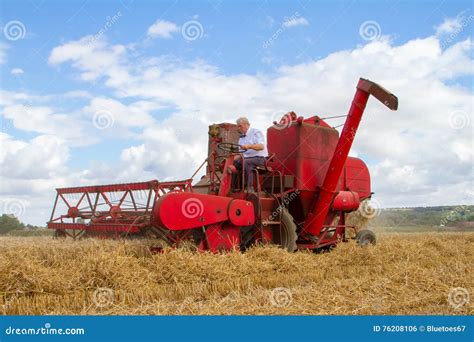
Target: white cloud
{"x":31,"y":170}
{"x":8,"y":98}
{"x":416,"y":71}
{"x":408,"y":166}
{"x":45,"y":120}
{"x":133,"y":115}
{"x":162,"y":29}
{"x":415,"y":156}
{"x":81,"y":126}
{"x":93,"y":58}
{"x":450,"y":25}
{"x":292,"y":22}
{"x":169,"y":150}
{"x":78,"y":94}
{"x":16,"y":71}
{"x":41,"y":157}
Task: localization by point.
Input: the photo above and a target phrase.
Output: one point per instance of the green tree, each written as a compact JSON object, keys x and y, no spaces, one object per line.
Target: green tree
{"x":8,"y":223}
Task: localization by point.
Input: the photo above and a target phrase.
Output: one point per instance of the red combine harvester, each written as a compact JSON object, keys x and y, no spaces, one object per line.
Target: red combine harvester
{"x":302,"y":194}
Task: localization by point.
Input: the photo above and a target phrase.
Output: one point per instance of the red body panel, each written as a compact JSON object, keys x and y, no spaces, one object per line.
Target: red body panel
{"x":180,"y":210}
{"x":222,"y":238}
{"x":303,"y":151}
{"x":346,"y":201}
{"x":309,"y":174}
{"x":356,"y":177}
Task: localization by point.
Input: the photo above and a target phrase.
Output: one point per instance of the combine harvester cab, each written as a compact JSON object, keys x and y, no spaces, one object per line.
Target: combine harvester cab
{"x":303,"y":194}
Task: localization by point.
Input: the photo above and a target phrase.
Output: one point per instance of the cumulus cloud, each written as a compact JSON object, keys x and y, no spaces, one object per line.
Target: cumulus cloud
{"x":453,"y":25}
{"x":418,"y":155}
{"x":28,"y":172}
{"x":162,"y":29}
{"x":8,"y":98}
{"x":41,"y":157}
{"x":78,"y":94}
{"x":16,"y":71}
{"x":93,"y":57}
{"x":295,"y":21}
{"x":123,"y":116}
{"x":405,"y":149}
{"x":45,"y":120}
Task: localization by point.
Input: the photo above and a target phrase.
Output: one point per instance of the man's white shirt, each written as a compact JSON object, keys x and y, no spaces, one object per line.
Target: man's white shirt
{"x":252,"y":137}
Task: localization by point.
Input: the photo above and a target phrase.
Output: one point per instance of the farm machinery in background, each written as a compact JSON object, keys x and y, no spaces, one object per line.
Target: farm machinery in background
{"x":302,"y":194}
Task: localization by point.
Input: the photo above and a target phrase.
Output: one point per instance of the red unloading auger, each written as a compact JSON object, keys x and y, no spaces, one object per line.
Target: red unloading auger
{"x":315,"y":220}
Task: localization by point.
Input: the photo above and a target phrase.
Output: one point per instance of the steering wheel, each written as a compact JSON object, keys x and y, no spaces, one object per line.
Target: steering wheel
{"x":230,"y":147}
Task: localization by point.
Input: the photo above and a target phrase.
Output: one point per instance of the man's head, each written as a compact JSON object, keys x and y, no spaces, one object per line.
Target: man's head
{"x":243,"y":125}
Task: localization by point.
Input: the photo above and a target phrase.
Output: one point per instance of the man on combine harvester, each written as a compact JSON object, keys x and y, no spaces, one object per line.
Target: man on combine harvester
{"x":253,"y":142}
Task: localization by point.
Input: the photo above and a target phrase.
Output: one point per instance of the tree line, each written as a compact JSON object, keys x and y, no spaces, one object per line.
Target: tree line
{"x":10,"y":223}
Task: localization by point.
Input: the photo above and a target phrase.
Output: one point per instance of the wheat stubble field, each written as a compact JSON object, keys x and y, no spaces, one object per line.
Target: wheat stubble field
{"x":408,"y":273}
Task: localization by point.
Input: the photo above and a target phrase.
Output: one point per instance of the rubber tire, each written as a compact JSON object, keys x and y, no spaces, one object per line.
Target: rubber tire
{"x":289,"y":226}
{"x":365,"y":237}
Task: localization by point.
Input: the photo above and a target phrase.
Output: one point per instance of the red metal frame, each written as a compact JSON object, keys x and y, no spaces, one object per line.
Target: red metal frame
{"x":104,"y":206}
{"x":307,"y":152}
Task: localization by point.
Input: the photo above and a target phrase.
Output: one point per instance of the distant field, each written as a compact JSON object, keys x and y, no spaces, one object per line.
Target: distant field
{"x":446,"y":218}
{"x":418,"y":229}
{"x":421,"y":219}
{"x":373,"y":226}
{"x":31,"y":232}
{"x":404,"y":274}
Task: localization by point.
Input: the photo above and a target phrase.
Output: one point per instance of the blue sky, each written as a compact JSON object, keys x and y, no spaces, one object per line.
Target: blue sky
{"x":161,"y":87}
{"x":234,"y":31}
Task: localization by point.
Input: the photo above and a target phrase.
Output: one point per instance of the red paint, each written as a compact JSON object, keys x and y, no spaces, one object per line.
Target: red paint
{"x":181,"y":210}
{"x":310,"y":174}
{"x":346,"y":201}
